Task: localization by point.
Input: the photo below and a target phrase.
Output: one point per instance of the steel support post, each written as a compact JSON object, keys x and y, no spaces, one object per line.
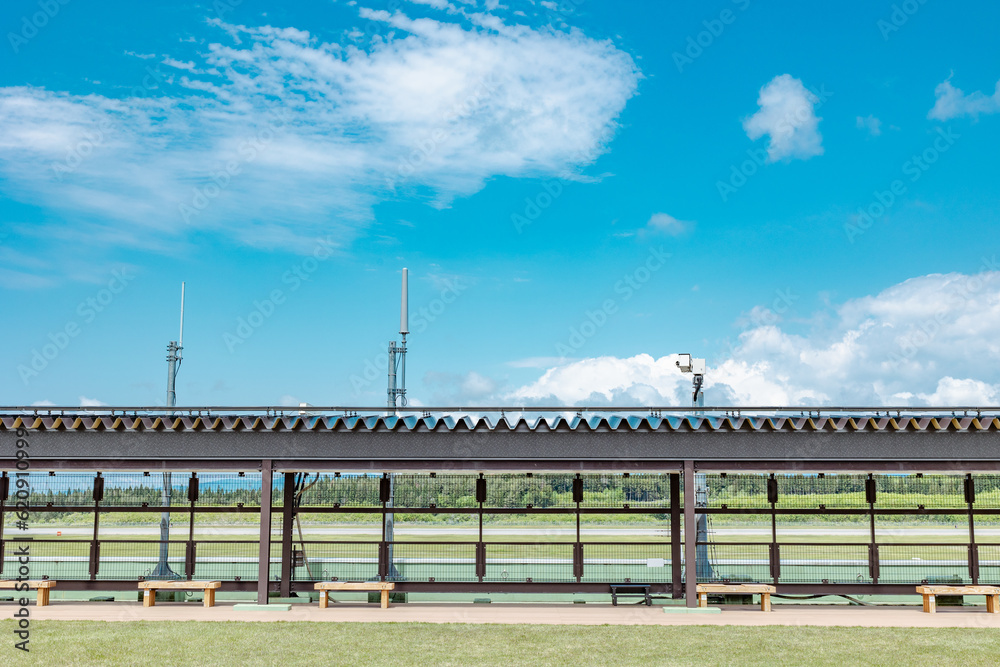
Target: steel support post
{"x":264,"y":571}
{"x":287,"y":519}
{"x":675,"y":535}
{"x":690,"y":538}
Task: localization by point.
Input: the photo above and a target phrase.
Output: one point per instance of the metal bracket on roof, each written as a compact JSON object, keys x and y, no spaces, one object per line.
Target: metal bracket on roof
{"x":426,"y":414}
{"x":655,"y":413}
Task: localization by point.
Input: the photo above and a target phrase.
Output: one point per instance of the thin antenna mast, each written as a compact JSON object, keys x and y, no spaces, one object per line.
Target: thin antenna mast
{"x":396,"y":396}
{"x":174,"y":357}
{"x":397,"y":355}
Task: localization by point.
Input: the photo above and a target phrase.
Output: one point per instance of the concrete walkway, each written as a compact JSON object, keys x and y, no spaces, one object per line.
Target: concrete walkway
{"x":548,"y":614}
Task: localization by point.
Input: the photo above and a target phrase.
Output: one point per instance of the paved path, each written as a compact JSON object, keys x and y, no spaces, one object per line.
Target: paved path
{"x":547,"y":614}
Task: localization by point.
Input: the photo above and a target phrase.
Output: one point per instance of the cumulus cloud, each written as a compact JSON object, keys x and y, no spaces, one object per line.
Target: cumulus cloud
{"x":950,"y":102}
{"x":870,"y":123}
{"x":278,"y":139}
{"x":787,"y":116}
{"x":663,"y":223}
{"x":931,"y":340}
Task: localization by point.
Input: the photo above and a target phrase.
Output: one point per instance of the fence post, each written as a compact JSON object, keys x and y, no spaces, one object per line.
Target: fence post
{"x":287,"y":519}
{"x":675,"y":535}
{"x":970,"y":498}
{"x":95,"y":545}
{"x":264,"y":570}
{"x":690,"y":538}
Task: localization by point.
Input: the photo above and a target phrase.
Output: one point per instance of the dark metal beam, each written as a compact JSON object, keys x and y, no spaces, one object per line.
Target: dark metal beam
{"x":498,"y":449}
{"x":264,"y":570}
{"x":690,"y":541}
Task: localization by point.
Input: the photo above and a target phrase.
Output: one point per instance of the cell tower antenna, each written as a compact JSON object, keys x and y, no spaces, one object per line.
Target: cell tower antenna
{"x":174,"y":357}
{"x":396,"y":398}
{"x":397,"y":356}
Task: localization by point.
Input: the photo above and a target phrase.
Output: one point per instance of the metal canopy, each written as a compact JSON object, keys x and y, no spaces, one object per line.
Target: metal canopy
{"x":133,"y":438}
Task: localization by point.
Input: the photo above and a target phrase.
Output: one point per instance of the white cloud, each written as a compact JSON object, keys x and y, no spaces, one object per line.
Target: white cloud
{"x":870,"y":123}
{"x":662,"y":223}
{"x":787,"y":115}
{"x":452,"y":388}
{"x":315,"y":134}
{"x":90,"y":402}
{"x":932,"y":340}
{"x":950,"y":102}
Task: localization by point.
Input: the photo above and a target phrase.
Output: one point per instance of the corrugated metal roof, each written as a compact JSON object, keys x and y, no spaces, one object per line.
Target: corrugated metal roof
{"x":624,"y":423}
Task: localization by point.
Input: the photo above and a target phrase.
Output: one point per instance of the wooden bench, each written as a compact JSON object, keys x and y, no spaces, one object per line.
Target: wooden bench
{"x":930,"y":594}
{"x":42,"y":586}
{"x":764,"y":590}
{"x":149,"y":589}
{"x":324,"y":588}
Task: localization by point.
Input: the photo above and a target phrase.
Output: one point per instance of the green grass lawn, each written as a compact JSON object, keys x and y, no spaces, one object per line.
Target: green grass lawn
{"x":282,"y":643}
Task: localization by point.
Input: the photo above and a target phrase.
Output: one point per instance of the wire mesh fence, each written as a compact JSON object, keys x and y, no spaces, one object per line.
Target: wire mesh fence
{"x":151,"y":489}
{"x":824,"y":563}
{"x":744,"y":563}
{"x":918,"y":491}
{"x":735,"y":491}
{"x":230,"y":560}
{"x":924,"y":563}
{"x":48,"y":559}
{"x":808,"y":527}
{"x":529,"y":562}
{"x":989,"y":563}
{"x":340,"y":490}
{"x":132,"y":559}
{"x":229,"y":489}
{"x":55,"y":489}
{"x":432,"y":561}
{"x":626,"y":563}
{"x":432,"y":490}
{"x":987,"y":490}
{"x":335,"y":561}
{"x":821,"y":491}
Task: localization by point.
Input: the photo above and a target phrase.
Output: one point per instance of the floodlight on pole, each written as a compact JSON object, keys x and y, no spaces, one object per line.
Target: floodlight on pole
{"x":687,"y":364}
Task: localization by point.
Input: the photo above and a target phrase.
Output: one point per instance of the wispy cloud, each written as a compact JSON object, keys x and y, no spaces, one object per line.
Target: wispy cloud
{"x":787,"y":116}
{"x":276,"y":138}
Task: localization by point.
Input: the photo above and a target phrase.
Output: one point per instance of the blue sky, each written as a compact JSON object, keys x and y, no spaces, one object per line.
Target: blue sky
{"x":803,"y":194}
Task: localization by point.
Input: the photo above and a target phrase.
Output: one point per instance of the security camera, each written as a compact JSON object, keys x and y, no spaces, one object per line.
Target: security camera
{"x":684,"y":363}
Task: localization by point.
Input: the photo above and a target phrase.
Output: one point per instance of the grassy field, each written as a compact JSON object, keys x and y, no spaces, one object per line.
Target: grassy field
{"x":281,"y":643}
